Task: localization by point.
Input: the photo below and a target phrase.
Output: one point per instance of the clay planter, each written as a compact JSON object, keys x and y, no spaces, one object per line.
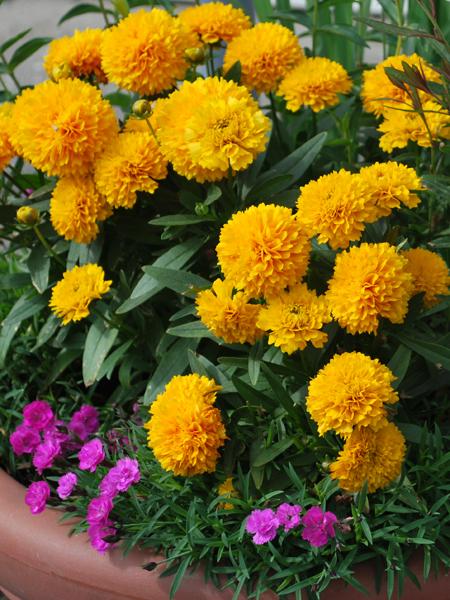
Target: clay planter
{"x":38,"y":561}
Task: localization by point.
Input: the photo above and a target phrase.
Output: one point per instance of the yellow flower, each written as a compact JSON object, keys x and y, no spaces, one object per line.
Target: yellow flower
{"x":372,"y":456}
{"x":266,"y":53}
{"x":227,"y":490}
{"x":229,"y":316}
{"x":61,"y":127}
{"x":369,"y":282}
{"x":144,"y":52}
{"x":401,"y":126}
{"x":72,"y":295}
{"x":132,"y":162}
{"x":351,"y":390}
{"x":209,"y":126}
{"x":79,"y":52}
{"x":263,"y":249}
{"x":6,"y":149}
{"x":294,"y":318}
{"x":430,"y":274}
{"x":185,"y":430}
{"x":75,"y":208}
{"x":315,"y":82}
{"x":215,"y":21}
{"x":334,"y":208}
{"x":389,"y":185}
{"x":378,"y":93}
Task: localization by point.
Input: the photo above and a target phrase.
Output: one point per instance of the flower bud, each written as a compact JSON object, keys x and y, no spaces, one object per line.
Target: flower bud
{"x":27,"y":215}
{"x":122,"y":7}
{"x":62,"y":71}
{"x":142,"y":108}
{"x":325,"y":465}
{"x":195,"y":55}
{"x":201,"y":209}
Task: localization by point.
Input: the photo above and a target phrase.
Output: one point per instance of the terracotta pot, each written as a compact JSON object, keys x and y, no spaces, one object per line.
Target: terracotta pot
{"x":38,"y":561}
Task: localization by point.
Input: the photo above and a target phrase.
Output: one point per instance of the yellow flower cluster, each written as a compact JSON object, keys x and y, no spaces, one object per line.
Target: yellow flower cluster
{"x":62,"y":127}
{"x":227,"y":490}
{"x":72,"y":295}
{"x":229,"y":316}
{"x":210,"y":126}
{"x":132,"y":162}
{"x":349,"y":396}
{"x":77,"y":55}
{"x":215,"y":21}
{"x":369,"y":282}
{"x":6,"y":149}
{"x":315,"y":82}
{"x":185,"y":430}
{"x":430,"y":274}
{"x":401,"y":122}
{"x":266,"y":52}
{"x":145,"y":52}
{"x":336,"y":206}
{"x":76,"y":207}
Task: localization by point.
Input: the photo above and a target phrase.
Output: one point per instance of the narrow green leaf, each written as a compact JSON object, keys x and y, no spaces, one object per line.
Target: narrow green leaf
{"x":99,"y":341}
{"x":48,"y":329}
{"x":266,"y":455}
{"x":280,"y":393}
{"x":81,"y":9}
{"x":12,"y":40}
{"x":10,"y":281}
{"x":434,"y":353}
{"x":179,"y":220}
{"x":195,"y":329}
{"x":234,"y":73}
{"x":39,"y":266}
{"x":66,"y":357}
{"x":393,"y":29}
{"x":399,"y":364}
{"x":178,"y":578}
{"x":25,"y":307}
{"x":112,"y":360}
{"x":7,"y":334}
{"x":183,"y":282}
{"x":26,"y":50}
{"x":344,"y":31}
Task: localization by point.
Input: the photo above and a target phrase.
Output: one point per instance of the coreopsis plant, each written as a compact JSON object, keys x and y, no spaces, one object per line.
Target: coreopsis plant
{"x":225,"y":289}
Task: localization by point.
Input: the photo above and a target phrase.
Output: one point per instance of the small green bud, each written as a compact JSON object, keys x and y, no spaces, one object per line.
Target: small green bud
{"x":195,"y":55}
{"x":142,"y":108}
{"x":62,"y":71}
{"x":201,"y":210}
{"x":27,"y":215}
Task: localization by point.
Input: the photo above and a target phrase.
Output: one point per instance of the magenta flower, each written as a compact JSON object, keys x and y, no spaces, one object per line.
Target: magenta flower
{"x":53,"y":433}
{"x":24,"y":440}
{"x":45,"y":454}
{"x":121,"y":477}
{"x":66,"y":484}
{"x":263,"y":524}
{"x":37,"y":495}
{"x":289,"y":515}
{"x":84,"y":422}
{"x":38,"y":415}
{"x":98,"y":532}
{"x":318,"y":526}
{"x":91,"y":455}
{"x":98,"y":510}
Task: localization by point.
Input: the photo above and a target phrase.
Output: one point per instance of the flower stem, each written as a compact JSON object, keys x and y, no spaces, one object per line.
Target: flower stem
{"x":150,"y":126}
{"x":274,"y":116}
{"x":105,"y":14}
{"x":400,"y":24}
{"x":47,"y":246}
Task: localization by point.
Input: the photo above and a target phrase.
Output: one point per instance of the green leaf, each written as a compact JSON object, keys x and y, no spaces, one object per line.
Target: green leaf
{"x":147,"y":286}
{"x":7,"y":334}
{"x":234,"y":73}
{"x":395,"y":30}
{"x":413,"y":433}
{"x":12,"y":40}
{"x":39,"y":266}
{"x":434,"y":353}
{"x":214,"y":193}
{"x":25,"y":307}
{"x":266,"y":455}
{"x":254,"y":362}
{"x":266,"y":189}
{"x":180,"y":220}
{"x":263,"y":9}
{"x":26,"y":50}
{"x":42,"y":191}
{"x":99,"y":342}
{"x":48,"y":329}
{"x":399,"y":364}
{"x":178,"y":578}
{"x":60,"y":364}
{"x":183,"y":282}
{"x":81,"y":9}
{"x":195,"y":329}
{"x":280,"y":393}
{"x":345,"y":31}
{"x":112,"y":360}
{"x":174,"y":363}
{"x":10,"y":281}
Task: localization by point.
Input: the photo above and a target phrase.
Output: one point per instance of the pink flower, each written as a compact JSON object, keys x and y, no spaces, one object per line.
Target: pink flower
{"x":66,"y":483}
{"x":98,"y":532}
{"x":24,"y":440}
{"x":45,"y":454}
{"x":99,"y":509}
{"x":289,"y":515}
{"x":318,"y":526}
{"x":263,"y":524}
{"x":37,"y":415}
{"x":121,"y":477}
{"x":91,"y":455}
{"x":84,"y":422}
{"x":53,"y":433}
{"x":37,"y":495}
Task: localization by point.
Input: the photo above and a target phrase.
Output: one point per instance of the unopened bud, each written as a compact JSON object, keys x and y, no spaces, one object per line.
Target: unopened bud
{"x":122,"y":7}
{"x":142,"y":108}
{"x":325,"y":465}
{"x":62,"y":71}
{"x":195,"y":55}
{"x":201,"y":209}
{"x":27,"y":215}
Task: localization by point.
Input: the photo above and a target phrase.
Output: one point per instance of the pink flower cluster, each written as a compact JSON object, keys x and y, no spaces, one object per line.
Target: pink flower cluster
{"x":118,"y":479}
{"x":47,"y":438}
{"x":318,"y":526}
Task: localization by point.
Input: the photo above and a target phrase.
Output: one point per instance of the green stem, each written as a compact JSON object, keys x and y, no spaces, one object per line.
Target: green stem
{"x":105,"y":14}
{"x":400,"y":24}
{"x":2,"y":81}
{"x":314,"y":27}
{"x":10,"y":72}
{"x":211,"y":60}
{"x":150,"y":126}
{"x":14,"y":182}
{"x":47,"y":246}
{"x":274,"y":116}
